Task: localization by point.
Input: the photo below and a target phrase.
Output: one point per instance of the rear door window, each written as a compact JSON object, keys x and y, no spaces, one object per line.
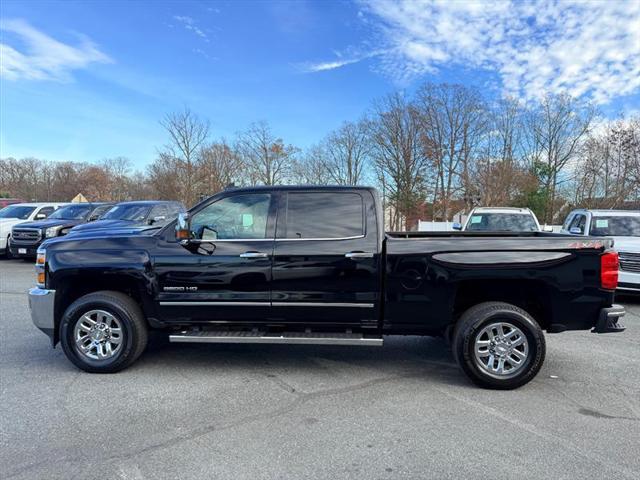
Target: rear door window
{"x":322,"y":216}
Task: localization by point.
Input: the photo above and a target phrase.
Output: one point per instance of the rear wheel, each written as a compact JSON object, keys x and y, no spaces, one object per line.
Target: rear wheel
{"x":103,"y":332}
{"x":499,"y":345}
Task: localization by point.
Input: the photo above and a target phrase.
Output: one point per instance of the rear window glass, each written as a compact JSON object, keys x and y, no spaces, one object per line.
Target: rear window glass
{"x":502,"y":222}
{"x":323,"y":215}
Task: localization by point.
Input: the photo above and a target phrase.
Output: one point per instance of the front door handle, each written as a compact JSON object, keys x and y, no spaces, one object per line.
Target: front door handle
{"x":253,"y":255}
{"x":359,"y":255}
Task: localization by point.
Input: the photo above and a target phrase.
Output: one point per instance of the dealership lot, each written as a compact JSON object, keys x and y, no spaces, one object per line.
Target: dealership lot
{"x":247,"y":411}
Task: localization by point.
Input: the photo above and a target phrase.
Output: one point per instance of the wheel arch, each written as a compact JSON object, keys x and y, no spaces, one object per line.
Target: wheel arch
{"x":77,"y":286}
{"x":533,"y":296}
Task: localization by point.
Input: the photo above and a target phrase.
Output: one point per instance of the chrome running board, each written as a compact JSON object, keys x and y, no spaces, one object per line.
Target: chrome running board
{"x":292,"y":338}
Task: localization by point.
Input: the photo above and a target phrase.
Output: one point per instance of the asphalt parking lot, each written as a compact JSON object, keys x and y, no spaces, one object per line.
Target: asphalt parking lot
{"x":262,"y":412}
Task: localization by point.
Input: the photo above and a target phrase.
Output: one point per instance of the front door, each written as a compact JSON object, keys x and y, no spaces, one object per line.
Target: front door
{"x":325,"y":269}
{"x":224,"y":276}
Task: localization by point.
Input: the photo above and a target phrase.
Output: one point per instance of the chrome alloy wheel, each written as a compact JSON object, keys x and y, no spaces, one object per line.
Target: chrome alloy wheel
{"x":98,"y":335}
{"x":501,"y":349}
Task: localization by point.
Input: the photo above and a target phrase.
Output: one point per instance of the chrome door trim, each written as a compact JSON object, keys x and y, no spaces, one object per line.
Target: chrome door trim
{"x":320,"y":304}
{"x":222,"y":304}
{"x":317,"y":239}
{"x":262,"y":304}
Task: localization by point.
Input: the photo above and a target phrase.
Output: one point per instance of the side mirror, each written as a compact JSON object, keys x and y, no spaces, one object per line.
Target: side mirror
{"x":40,"y":216}
{"x":547,"y":228}
{"x":575,"y":231}
{"x":456,"y":226}
{"x":153,"y":220}
{"x":183,"y":232}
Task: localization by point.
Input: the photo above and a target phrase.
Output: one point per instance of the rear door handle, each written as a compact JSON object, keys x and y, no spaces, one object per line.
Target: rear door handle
{"x":359,"y":255}
{"x":253,"y":255}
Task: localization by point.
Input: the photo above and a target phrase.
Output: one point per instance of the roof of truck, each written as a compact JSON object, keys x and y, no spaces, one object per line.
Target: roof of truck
{"x":514,"y":210}
{"x":300,"y":187}
{"x":608,"y":213}
{"x":38,"y":204}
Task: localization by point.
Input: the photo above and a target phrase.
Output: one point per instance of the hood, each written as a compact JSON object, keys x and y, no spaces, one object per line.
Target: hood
{"x":626,"y":244}
{"x":113,"y":232}
{"x":103,"y":224}
{"x":54,"y":222}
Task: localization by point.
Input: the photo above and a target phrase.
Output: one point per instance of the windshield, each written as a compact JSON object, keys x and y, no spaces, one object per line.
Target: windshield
{"x":16,"y":211}
{"x":616,"y":226}
{"x":72,"y":212}
{"x":134,"y":213}
{"x":501,"y":222}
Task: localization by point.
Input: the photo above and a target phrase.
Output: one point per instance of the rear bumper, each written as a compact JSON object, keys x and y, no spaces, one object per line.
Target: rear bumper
{"x":609,"y":320}
{"x":42,"y":306}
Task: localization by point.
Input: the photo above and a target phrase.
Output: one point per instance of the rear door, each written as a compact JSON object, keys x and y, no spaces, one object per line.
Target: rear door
{"x":326,"y":257}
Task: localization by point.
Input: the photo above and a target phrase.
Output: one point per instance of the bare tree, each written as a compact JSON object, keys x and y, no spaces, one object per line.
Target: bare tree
{"x":501,"y":174}
{"x":187,"y":135}
{"x":312,"y":167}
{"x":555,"y":132}
{"x":453,"y":120}
{"x":399,"y":159}
{"x":164,"y":176}
{"x":218,"y":166}
{"x":347,"y":153}
{"x":607,"y":172}
{"x":117,"y":170}
{"x":268,"y":158}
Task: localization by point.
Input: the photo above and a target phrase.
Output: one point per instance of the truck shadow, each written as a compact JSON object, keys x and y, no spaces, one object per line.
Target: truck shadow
{"x":401,"y":356}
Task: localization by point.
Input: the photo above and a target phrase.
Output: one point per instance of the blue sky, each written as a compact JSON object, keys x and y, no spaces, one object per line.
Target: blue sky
{"x":87,"y":80}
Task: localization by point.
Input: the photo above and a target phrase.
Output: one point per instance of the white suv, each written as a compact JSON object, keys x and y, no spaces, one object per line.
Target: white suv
{"x":500,"y":219}
{"x":624,"y":227}
{"x":19,"y":213}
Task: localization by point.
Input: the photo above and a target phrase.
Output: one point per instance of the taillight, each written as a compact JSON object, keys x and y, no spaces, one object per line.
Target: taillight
{"x":609,"y":270}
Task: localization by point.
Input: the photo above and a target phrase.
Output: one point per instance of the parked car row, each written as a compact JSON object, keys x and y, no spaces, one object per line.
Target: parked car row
{"x":25,"y":226}
{"x":621,"y":225}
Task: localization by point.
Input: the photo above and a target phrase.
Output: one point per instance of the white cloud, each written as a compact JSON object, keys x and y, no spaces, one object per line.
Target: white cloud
{"x":190,"y":24}
{"x":324,"y":66}
{"x":43,"y":57}
{"x":582,"y":48}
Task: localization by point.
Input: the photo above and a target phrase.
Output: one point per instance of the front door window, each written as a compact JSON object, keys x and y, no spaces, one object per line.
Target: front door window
{"x":241,"y":217}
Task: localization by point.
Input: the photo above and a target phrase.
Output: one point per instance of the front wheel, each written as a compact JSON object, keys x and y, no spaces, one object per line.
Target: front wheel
{"x":499,"y":345}
{"x":103,"y":332}
{"x":7,"y":252}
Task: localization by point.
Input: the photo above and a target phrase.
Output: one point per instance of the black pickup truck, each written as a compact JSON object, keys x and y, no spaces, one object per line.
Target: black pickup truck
{"x":313,"y":265}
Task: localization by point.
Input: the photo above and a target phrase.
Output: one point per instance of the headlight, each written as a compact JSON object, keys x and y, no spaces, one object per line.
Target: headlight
{"x":41,"y":260}
{"x":52,"y":232}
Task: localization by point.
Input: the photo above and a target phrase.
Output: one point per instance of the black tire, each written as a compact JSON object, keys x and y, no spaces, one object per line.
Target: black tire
{"x":470,"y":326}
{"x":7,"y":252}
{"x":134,"y":330}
